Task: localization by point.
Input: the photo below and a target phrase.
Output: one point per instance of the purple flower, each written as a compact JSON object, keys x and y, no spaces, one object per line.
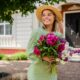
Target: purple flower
{"x":61,"y":47}
{"x":36,"y":51}
{"x":66,"y":59}
{"x":76,"y":51}
{"x":51,"y":39}
{"x":62,"y":40}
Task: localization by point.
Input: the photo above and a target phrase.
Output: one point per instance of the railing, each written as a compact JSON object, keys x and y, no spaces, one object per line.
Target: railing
{"x":8,"y":41}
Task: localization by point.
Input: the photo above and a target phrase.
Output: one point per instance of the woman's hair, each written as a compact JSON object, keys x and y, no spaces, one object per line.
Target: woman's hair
{"x":54,"y":23}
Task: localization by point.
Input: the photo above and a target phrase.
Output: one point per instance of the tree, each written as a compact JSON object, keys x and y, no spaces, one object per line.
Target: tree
{"x":9,"y":7}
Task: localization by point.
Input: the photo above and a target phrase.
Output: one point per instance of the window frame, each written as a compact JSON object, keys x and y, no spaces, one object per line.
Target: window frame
{"x":4,"y":23}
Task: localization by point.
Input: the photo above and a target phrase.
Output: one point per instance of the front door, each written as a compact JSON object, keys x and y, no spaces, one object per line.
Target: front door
{"x":72,"y":30}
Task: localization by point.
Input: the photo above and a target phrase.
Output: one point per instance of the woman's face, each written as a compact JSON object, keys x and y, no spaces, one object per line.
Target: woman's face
{"x":47,"y":17}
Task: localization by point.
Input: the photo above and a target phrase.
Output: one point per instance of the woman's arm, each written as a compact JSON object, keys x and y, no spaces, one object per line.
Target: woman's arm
{"x":31,"y":44}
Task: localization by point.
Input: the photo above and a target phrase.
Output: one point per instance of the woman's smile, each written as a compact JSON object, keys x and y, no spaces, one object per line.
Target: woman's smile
{"x":47,"y":17}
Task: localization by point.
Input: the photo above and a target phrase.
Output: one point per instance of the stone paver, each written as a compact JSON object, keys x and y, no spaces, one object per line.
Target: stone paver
{"x":69,"y":71}
{"x":13,"y":70}
{"x":18,"y":70}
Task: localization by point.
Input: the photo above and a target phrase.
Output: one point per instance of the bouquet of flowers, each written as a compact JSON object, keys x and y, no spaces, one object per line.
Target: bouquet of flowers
{"x":51,"y":45}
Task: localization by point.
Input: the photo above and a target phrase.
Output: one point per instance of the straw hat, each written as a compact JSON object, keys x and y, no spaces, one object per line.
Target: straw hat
{"x":53,"y":9}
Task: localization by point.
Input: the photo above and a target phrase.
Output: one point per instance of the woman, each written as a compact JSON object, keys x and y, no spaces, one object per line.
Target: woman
{"x":38,"y":69}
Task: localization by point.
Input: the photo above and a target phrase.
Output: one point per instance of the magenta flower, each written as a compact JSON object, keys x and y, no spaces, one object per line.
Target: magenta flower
{"x":36,"y":51}
{"x":61,"y":47}
{"x":51,"y":39}
{"x":42,"y":37}
{"x":66,"y":59}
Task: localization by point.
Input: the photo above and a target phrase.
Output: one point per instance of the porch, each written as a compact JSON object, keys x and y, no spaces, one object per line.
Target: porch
{"x":9,"y":45}
{"x":8,"y":42}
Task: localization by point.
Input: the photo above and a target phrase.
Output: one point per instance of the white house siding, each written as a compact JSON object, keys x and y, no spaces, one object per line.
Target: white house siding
{"x":22,"y":27}
{"x":75,"y":1}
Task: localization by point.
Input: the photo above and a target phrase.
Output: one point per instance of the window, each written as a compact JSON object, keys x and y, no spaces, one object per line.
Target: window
{"x":72,"y":30}
{"x":5,"y":28}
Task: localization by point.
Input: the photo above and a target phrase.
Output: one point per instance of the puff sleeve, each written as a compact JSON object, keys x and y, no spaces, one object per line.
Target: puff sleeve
{"x":32,"y":42}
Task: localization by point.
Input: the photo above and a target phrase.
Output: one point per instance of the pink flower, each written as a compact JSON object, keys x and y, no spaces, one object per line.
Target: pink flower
{"x":42,"y":37}
{"x":60,"y":55}
{"x":61,"y":47}
{"x":51,"y":39}
{"x":36,"y":51}
{"x":39,"y":42}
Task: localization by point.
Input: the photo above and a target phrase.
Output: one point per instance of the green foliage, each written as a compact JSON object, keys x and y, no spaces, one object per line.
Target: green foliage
{"x":9,"y":7}
{"x":2,"y":56}
{"x":16,"y":56}
{"x":19,"y":56}
{"x":7,"y":57}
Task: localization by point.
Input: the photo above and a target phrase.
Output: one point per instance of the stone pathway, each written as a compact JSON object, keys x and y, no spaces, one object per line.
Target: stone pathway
{"x":69,"y":71}
{"x":13,"y":70}
{"x":17,"y":70}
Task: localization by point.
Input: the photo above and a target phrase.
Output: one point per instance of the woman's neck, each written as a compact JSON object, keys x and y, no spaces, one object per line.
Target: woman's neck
{"x":49,"y":28}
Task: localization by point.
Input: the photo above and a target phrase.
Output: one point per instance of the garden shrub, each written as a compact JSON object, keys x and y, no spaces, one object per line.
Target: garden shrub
{"x":19,"y":56}
{"x":2,"y":56}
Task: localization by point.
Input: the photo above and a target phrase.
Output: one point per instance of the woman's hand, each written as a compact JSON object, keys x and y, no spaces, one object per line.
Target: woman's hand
{"x":49,"y":59}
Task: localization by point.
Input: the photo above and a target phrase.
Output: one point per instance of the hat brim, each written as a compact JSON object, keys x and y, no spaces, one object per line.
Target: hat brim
{"x":53,"y":9}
